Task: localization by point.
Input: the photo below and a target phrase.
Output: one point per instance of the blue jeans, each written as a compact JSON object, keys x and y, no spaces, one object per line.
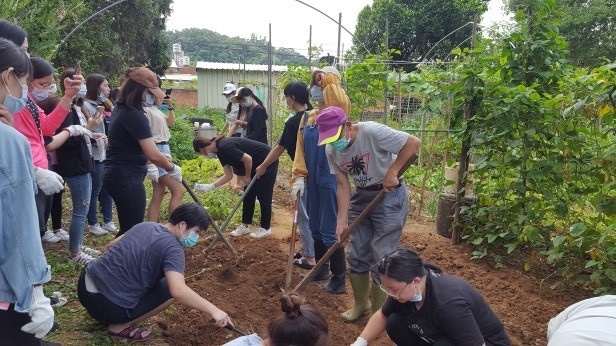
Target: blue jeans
{"x":304,"y":228}
{"x":99,"y":194}
{"x":81,"y":189}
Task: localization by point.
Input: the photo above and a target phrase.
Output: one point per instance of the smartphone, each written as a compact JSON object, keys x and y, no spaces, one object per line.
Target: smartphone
{"x":78,"y":67}
{"x":99,"y":111}
{"x":168,"y":93}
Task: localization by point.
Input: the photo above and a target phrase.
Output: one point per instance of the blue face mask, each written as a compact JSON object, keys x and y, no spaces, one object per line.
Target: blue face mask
{"x":189,"y":241}
{"x":82,"y":90}
{"x":14,"y":104}
{"x":212,"y":155}
{"x":101,"y":97}
{"x":417,"y":297}
{"x":340,"y":144}
{"x":316,"y":93}
{"x":39,"y":94}
{"x":149,"y":100}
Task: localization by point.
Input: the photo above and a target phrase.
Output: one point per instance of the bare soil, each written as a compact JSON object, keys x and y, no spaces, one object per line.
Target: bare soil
{"x":248,"y":288}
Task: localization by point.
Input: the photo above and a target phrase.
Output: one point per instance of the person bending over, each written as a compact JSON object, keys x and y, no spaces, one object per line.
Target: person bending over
{"x":427,"y":307}
{"x":142,"y":274}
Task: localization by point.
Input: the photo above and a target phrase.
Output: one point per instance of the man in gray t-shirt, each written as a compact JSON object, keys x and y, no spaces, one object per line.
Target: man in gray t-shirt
{"x":373,"y":155}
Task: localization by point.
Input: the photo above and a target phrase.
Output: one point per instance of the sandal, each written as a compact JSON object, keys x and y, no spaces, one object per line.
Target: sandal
{"x":131,"y":333}
{"x":302,"y":263}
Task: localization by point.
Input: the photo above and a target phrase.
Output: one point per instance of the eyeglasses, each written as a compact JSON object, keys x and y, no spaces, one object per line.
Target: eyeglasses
{"x":393,"y":295}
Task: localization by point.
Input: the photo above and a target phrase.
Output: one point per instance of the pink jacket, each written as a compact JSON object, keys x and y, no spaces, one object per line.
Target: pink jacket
{"x":24,"y":123}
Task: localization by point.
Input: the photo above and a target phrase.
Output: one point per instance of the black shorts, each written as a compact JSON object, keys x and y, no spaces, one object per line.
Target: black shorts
{"x":105,"y":311}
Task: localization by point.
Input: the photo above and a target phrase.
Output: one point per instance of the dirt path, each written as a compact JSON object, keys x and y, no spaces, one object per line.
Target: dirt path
{"x":249,"y":289}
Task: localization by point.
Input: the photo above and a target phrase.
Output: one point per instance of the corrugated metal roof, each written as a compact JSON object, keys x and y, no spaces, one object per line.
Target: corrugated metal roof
{"x":206,"y":65}
{"x":180,"y":77}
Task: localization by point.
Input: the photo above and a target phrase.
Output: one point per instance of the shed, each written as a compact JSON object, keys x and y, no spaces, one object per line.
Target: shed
{"x":212,"y":76}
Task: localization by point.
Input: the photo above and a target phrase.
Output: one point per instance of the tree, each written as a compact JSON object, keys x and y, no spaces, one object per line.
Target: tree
{"x":129,"y":34}
{"x":415,"y":26}
{"x":590,"y":28}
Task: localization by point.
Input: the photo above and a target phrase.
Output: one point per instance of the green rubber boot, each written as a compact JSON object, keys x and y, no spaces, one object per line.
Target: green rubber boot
{"x":361,"y":307}
{"x":378,"y":298}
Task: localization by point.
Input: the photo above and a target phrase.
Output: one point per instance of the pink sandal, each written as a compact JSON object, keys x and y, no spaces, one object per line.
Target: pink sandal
{"x":131,"y":333}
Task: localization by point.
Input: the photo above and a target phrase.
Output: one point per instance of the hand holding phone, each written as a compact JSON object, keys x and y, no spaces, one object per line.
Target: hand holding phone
{"x":78,"y":67}
{"x":99,"y":111}
{"x":168,"y":93}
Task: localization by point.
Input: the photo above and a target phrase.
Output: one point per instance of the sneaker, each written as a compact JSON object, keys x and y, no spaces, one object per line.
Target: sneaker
{"x":240,"y":230}
{"x":110,"y":226}
{"x":90,"y":251}
{"x":261,"y":233}
{"x":82,"y":258}
{"x":62,"y":234}
{"x":96,"y":229}
{"x":57,"y":299}
{"x":49,"y":237}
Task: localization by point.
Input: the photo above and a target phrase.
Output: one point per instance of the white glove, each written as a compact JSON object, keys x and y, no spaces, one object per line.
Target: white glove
{"x":360,"y":342}
{"x":48,"y":181}
{"x":78,"y":130}
{"x":175,"y":173}
{"x":41,"y":314}
{"x":204,"y":187}
{"x":152,"y":172}
{"x":297,"y":186}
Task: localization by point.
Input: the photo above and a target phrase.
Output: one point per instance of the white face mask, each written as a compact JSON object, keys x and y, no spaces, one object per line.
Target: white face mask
{"x":417,"y":297}
{"x":247,"y":102}
{"x":229,"y":98}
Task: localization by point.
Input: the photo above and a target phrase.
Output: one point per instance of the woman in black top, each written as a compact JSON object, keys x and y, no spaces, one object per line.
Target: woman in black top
{"x":256,"y":126}
{"x":241,"y":156}
{"x":131,"y":146}
{"x":427,"y":307}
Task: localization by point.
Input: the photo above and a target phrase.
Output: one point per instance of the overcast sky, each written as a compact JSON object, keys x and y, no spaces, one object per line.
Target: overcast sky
{"x":290,"y":20}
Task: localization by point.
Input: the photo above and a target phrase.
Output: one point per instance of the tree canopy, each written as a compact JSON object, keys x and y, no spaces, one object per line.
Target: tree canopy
{"x":416,"y":26}
{"x":207,"y":45}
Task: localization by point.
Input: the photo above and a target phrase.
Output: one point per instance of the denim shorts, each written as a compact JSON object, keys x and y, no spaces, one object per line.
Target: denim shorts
{"x":165,"y":149}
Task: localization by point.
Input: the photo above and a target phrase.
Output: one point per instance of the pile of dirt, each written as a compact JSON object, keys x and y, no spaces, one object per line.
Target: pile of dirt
{"x":249,"y":288}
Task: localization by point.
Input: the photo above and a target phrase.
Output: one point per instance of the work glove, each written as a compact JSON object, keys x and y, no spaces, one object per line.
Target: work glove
{"x":204,"y":187}
{"x":360,"y":342}
{"x":175,"y":173}
{"x":41,"y":314}
{"x":152,"y":172}
{"x":78,"y":130}
{"x":297,"y":186}
{"x":48,"y":181}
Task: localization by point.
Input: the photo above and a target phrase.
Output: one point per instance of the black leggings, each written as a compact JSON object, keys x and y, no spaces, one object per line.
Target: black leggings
{"x":105,"y":311}
{"x":263,"y":189}
{"x":11,"y":322}
{"x":128,"y":193}
{"x":401,"y":334}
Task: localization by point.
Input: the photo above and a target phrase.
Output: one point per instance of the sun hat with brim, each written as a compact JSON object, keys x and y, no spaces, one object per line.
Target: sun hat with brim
{"x":147,"y":78}
{"x":330,"y":123}
{"x":228,"y":88}
{"x":331,"y":69}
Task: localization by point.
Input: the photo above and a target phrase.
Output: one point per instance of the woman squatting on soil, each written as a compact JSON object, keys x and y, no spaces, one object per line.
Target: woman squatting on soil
{"x":142,"y":274}
{"x":427,"y":307}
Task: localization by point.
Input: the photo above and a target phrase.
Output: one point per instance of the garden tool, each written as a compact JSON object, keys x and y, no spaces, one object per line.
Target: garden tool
{"x":228,"y":220}
{"x":234,"y":329}
{"x":345,"y":234}
{"x":287,"y":284}
{"x":212,"y":221}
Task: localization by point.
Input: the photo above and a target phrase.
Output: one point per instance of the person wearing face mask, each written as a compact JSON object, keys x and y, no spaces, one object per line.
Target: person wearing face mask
{"x":159,"y":124}
{"x":254,"y":114}
{"x":310,"y":165}
{"x":373,"y":155}
{"x":131,"y":146}
{"x":142,"y":274}
{"x":427,"y":307}
{"x":241,"y":156}
{"x":26,"y":314}
{"x":228,"y":91}
{"x":33,"y":123}
{"x":297,"y":99}
{"x":96,"y":93}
